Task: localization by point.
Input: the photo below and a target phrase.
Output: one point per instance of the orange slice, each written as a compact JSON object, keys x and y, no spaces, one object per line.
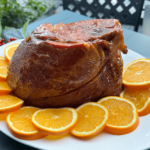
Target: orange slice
{"x":141,"y":99}
{"x":4,"y":88}
{"x":3,"y":68}
{"x":9,"y":51}
{"x":3,"y":62}
{"x":20,"y":124}
{"x":3,"y":72}
{"x":92,"y":119}
{"x":9,"y":103}
{"x":137,"y":74}
{"x":55,"y":121}
{"x":3,"y":116}
{"x":2,"y":57}
{"x":123,"y":116}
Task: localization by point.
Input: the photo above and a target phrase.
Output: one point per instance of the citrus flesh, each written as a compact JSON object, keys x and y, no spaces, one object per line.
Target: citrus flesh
{"x":141,"y":99}
{"x":9,"y":103}
{"x":137,"y":74}
{"x":9,"y":51}
{"x":3,"y":68}
{"x":123,"y":116}
{"x":92,"y":119}
{"x":3,"y":72}
{"x":4,"y":88}
{"x":55,"y":121}
{"x":20,"y":124}
{"x":3,"y":62}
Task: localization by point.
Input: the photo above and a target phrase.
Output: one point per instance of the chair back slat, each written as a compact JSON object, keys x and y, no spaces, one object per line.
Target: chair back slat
{"x":126,"y":11}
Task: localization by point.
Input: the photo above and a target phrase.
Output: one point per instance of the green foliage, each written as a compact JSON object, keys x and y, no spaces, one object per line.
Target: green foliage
{"x":12,"y":14}
{"x":0,"y":29}
{"x":24,"y":29}
{"x":2,"y":4}
{"x":6,"y":27}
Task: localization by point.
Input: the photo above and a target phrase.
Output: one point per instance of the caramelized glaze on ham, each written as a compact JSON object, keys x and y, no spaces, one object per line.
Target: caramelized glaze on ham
{"x":68,"y":64}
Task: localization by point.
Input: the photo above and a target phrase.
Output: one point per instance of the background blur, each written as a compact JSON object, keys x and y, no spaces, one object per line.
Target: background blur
{"x":14,"y":13}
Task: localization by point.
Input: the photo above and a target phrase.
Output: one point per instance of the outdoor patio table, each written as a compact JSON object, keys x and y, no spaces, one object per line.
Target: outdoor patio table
{"x":135,"y":41}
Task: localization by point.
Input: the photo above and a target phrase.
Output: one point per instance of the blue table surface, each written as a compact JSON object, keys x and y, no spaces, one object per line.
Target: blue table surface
{"x":135,"y":41}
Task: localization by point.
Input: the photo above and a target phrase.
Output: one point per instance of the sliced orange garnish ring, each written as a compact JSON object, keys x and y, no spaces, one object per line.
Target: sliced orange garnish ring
{"x":123,"y":116}
{"x":2,"y":57}
{"x":137,"y":74}
{"x":20,"y":124}
{"x":55,"y":121}
{"x":3,"y":72}
{"x":112,"y":114}
{"x":3,"y":62}
{"x":3,"y":68}
{"x":92,"y":119}
{"x":9,"y":103}
{"x":9,"y":51}
{"x":4,"y":88}
{"x":141,"y":99}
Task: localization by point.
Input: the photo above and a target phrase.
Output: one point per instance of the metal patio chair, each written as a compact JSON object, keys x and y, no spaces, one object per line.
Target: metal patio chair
{"x":128,"y":12}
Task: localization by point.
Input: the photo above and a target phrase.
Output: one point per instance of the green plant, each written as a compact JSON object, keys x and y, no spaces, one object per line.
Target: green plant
{"x":24,"y":28}
{"x":12,"y":14}
{"x":0,"y":29}
{"x":2,"y":3}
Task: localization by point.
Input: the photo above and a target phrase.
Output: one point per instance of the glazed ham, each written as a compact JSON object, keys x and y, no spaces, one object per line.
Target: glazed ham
{"x":68,"y":64}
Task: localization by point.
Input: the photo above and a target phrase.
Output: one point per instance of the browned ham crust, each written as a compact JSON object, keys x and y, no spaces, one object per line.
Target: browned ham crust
{"x":68,"y":64}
